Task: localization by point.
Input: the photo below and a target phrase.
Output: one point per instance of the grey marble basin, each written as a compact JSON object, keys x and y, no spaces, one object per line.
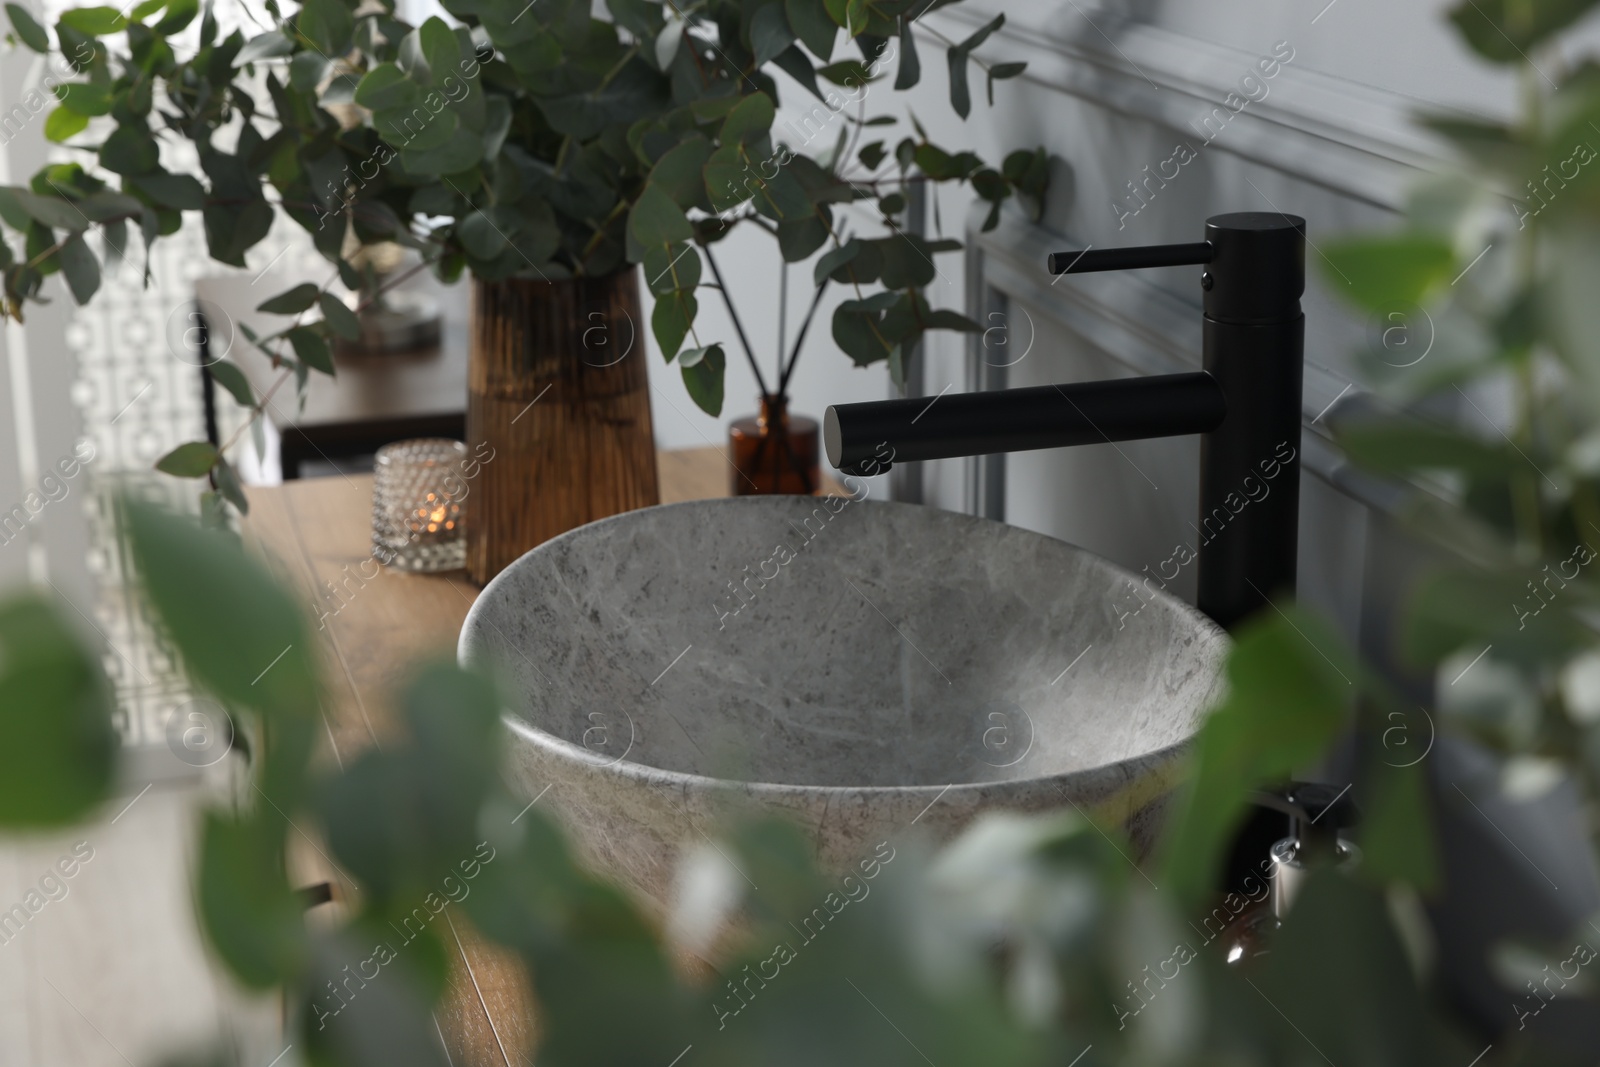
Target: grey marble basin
{"x":862,"y":666}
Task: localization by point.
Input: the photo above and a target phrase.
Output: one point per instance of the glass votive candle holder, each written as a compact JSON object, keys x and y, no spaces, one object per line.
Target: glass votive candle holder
{"x":417,"y":497}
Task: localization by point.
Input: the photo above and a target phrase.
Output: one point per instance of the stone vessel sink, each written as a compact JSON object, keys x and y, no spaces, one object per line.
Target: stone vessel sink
{"x":863,"y":667}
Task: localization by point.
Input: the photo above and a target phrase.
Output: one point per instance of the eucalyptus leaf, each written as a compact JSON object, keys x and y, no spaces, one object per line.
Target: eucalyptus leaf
{"x":670,"y":268}
{"x":28,"y":29}
{"x":54,"y":212}
{"x":239,"y":634}
{"x":129,"y":151}
{"x":311,"y":349}
{"x":179,"y":14}
{"x":64,"y":123}
{"x":960,"y":92}
{"x":1002,"y":71}
{"x":193,"y":459}
{"x":834,"y":259}
{"x":670,"y":320}
{"x":231,"y":378}
{"x":780,"y":196}
{"x":481,"y":236}
{"x":1404,"y":446}
{"x":793,"y":62}
{"x":1507,"y":30}
{"x":105,"y":205}
{"x":811,"y":22}
{"x":340,"y":319}
{"x":496,"y":127}
{"x":417,"y":128}
{"x":308,"y":69}
{"x":752,"y":117}
{"x":80,"y":268}
{"x":58,"y":748}
{"x":327,"y":25}
{"x":229,"y":485}
{"x":667,"y":43}
{"x":702,"y":377}
{"x":460,"y":152}
{"x":910,"y":71}
{"x":850,"y":73}
{"x":181,"y":191}
{"x":386,"y":86}
{"x":1339,"y":934}
{"x":680,"y":172}
{"x":291,"y":301}
{"x":389,"y":1024}
{"x":769,"y":32}
{"x":94,"y":21}
{"x":1283,"y":658}
{"x":1395,"y":270}
{"x":85,"y":98}
{"x":656,"y":221}
{"x":440,"y":50}
{"x":253,"y":918}
{"x":268,"y":45}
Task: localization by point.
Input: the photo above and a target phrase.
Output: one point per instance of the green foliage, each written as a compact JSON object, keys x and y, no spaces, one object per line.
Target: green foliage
{"x":254,"y":920}
{"x":1507,"y":30}
{"x":1397,"y":841}
{"x":191,"y":460}
{"x":1339,"y":936}
{"x":291,"y":302}
{"x":28,"y":30}
{"x":530,"y":141}
{"x":702,"y":376}
{"x":57,"y":746}
{"x":399,"y":817}
{"x":1391,"y":270}
{"x":1493,"y":270}
{"x":240,"y":635}
{"x":231,"y":378}
{"x":1291,"y":691}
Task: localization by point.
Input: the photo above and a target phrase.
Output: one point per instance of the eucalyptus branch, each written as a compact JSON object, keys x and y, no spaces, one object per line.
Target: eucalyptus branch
{"x":600,"y":232}
{"x":259,"y":407}
{"x":800,"y":338}
{"x":610,"y":75}
{"x":955,"y":44}
{"x":256,"y":410}
{"x":738,"y":326}
{"x":59,"y":245}
{"x":855,"y":136}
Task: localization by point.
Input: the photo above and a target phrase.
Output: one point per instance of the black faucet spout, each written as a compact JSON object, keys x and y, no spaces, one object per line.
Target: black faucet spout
{"x":1019,"y":420}
{"x":1245,"y":405}
{"x":1089,"y":260}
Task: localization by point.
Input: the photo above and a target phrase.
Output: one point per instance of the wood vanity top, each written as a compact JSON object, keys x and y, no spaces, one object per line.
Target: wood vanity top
{"x":375,"y":628}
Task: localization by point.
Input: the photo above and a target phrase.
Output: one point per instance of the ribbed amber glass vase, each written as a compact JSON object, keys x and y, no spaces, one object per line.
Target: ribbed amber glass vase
{"x":558,"y":413}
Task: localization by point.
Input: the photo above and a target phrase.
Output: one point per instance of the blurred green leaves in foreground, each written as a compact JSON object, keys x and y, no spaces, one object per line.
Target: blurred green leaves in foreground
{"x":1027,"y":940}
{"x":57,"y":746}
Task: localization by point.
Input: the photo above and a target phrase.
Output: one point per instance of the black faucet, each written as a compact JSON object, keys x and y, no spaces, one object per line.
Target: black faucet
{"x":1245,"y":405}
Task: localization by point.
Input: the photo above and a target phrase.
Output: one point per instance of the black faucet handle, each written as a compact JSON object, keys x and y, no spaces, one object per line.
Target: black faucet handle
{"x":1089,"y":260}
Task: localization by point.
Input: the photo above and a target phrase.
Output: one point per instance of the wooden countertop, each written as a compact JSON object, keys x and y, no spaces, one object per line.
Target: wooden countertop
{"x":375,"y":626}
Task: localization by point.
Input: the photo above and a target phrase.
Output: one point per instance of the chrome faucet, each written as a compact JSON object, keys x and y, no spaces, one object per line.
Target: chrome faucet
{"x":1245,"y":405}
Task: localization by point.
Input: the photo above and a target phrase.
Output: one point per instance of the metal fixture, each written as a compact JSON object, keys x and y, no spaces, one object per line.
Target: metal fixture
{"x":1317,"y":815}
{"x":1245,"y":405}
